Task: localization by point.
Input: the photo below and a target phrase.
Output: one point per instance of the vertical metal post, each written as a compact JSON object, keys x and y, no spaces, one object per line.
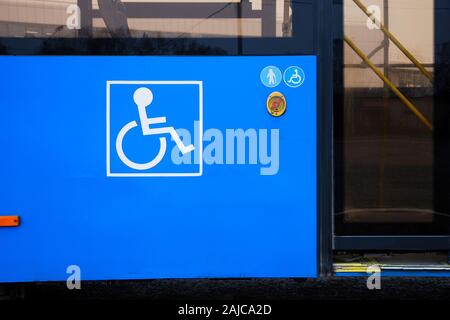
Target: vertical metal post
{"x":86,"y":18}
{"x":286,"y":19}
{"x":269,"y":18}
{"x":441,"y":115}
{"x":386,"y":94}
{"x":324,"y":10}
{"x":240,"y":35}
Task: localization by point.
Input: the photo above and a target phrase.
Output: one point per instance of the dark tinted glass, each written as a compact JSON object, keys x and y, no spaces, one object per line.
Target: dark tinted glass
{"x":392,"y":129}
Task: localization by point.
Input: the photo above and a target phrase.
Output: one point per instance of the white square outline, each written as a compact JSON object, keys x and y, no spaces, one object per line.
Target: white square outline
{"x":108,"y":151}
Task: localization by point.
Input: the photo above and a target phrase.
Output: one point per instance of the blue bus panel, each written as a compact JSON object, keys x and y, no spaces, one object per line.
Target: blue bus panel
{"x":158,"y":167}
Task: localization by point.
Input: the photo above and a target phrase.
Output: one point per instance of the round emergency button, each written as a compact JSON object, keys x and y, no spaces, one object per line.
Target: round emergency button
{"x":276,"y":104}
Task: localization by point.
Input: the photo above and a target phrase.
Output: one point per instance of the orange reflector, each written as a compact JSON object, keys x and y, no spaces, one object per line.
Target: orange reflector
{"x":9,"y":221}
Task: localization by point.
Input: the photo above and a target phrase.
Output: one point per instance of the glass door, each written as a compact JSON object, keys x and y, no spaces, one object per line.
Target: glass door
{"x":391,"y":103}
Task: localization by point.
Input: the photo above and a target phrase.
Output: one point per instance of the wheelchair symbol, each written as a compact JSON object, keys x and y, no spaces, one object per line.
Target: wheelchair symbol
{"x":294,"y":76}
{"x":143,"y":97}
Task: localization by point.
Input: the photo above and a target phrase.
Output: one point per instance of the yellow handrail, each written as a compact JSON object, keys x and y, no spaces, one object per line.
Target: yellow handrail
{"x":402,"y":48}
{"x":380,"y":74}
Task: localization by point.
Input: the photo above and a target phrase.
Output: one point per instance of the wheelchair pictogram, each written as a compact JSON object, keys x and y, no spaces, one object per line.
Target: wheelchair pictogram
{"x":295,"y":79}
{"x":294,"y":76}
{"x":154,"y":128}
{"x":143,"y":98}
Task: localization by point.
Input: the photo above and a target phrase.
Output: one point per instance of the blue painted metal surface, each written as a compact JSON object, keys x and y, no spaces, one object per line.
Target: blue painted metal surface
{"x":80,"y":204}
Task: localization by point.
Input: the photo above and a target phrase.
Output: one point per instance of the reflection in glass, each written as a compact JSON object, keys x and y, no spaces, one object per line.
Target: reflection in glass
{"x":386,"y":170}
{"x":147,"y":18}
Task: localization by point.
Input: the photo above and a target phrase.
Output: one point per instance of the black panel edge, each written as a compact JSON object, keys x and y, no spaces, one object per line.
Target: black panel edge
{"x":324,"y":38}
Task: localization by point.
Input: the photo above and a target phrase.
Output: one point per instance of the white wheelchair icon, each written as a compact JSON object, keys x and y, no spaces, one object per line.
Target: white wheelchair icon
{"x":295,"y":78}
{"x":143,"y":97}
